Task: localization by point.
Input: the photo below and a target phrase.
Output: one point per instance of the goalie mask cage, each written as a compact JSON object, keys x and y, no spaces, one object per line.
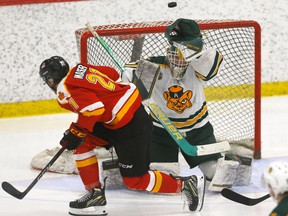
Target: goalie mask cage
{"x":233,"y":96}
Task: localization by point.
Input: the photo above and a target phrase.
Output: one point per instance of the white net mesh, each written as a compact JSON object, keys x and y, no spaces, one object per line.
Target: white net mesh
{"x":232,"y":100}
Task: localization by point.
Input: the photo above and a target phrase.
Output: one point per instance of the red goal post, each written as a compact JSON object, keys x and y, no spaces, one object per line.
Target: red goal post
{"x":233,"y":97}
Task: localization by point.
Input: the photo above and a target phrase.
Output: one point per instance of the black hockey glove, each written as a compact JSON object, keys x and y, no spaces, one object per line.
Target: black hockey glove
{"x":73,"y":137}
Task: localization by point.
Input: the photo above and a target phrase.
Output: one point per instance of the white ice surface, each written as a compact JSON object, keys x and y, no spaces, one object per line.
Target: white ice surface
{"x":23,"y":138}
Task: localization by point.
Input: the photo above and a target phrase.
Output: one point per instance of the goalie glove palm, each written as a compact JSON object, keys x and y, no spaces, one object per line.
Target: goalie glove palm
{"x":73,"y":137}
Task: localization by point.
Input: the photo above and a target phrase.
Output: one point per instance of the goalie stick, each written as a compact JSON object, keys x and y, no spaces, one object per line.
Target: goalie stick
{"x":180,"y":139}
{"x":165,"y":121}
{"x":236,"y":197}
{"x":10,"y":189}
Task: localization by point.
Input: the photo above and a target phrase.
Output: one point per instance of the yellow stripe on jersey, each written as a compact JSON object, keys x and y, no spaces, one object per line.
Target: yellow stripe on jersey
{"x":73,"y":103}
{"x":158,"y":181}
{"x":189,"y":122}
{"x":193,"y":120}
{"x":94,"y":112}
{"x":86,"y":162}
{"x":125,"y":108}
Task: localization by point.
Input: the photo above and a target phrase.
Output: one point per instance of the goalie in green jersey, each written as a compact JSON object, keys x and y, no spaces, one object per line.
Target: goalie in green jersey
{"x":179,"y":93}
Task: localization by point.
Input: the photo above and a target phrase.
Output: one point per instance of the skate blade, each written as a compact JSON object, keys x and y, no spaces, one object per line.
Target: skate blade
{"x":91,"y":211}
{"x":201,"y":186}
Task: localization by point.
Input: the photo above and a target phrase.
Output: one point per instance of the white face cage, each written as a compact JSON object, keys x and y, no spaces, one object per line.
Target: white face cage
{"x":177,"y":62}
{"x":188,"y":54}
{"x":275,"y":177}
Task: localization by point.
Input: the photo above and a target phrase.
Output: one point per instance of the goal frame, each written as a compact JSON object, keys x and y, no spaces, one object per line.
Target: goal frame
{"x":103,"y":31}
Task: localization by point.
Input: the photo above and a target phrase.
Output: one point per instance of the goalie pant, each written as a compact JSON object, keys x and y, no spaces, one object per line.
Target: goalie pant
{"x":129,"y":131}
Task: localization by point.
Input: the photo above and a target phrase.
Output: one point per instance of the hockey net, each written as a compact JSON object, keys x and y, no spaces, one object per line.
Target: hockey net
{"x":233,"y":96}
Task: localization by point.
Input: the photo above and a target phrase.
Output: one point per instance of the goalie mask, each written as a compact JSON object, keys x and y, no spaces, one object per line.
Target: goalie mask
{"x":53,"y":70}
{"x":176,"y":62}
{"x":275,"y":177}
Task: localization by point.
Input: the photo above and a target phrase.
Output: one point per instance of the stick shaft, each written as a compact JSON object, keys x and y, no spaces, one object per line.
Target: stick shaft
{"x":10,"y":189}
{"x":105,"y":46}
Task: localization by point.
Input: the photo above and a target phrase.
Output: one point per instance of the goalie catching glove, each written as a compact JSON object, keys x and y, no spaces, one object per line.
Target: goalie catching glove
{"x":185,"y":35}
{"x":73,"y":137}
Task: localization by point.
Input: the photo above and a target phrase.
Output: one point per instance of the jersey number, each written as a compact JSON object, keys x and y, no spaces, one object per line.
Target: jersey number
{"x":94,"y":77}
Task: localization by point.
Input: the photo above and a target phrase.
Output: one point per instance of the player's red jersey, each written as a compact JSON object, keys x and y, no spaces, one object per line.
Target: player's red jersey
{"x":97,"y":94}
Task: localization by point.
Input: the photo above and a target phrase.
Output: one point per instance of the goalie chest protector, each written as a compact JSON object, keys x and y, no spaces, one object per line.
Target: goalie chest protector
{"x":183,"y":101}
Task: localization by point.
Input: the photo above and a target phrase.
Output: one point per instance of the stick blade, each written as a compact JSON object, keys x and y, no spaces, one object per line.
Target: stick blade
{"x":213,"y":148}
{"x":236,"y":197}
{"x":10,"y":189}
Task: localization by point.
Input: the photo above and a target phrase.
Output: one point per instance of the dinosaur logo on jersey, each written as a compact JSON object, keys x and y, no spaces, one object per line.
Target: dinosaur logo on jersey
{"x":178,"y":100}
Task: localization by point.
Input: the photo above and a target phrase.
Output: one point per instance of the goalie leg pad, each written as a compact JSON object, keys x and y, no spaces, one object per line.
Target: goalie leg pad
{"x":244,"y":170}
{"x":64,"y":164}
{"x":110,"y":168}
{"x":225,"y":175}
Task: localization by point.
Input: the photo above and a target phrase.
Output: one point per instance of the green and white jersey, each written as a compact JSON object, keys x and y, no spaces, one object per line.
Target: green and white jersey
{"x":281,"y":209}
{"x":183,"y":101}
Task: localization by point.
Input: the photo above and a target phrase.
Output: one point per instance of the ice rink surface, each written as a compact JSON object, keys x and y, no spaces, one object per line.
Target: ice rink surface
{"x":23,"y":138}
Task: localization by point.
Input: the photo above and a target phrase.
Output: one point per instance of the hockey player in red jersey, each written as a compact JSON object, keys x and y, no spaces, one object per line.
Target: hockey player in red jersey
{"x":109,"y":111}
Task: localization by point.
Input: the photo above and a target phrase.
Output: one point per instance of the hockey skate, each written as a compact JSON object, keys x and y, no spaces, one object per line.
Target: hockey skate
{"x":193,"y":189}
{"x":93,"y":203}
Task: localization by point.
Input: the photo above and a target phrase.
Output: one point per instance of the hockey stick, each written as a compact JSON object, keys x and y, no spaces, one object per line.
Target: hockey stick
{"x":236,"y":197}
{"x":105,"y":46}
{"x":167,"y":124}
{"x":10,"y":189}
{"x":181,"y":141}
